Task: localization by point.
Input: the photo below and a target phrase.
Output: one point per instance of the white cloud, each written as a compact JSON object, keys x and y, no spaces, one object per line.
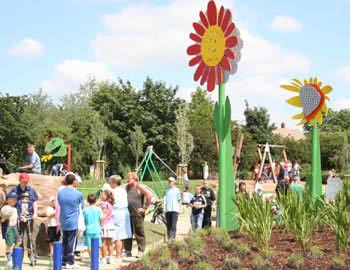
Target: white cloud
{"x":69,"y":74}
{"x":343,"y":73}
{"x":285,"y":24}
{"x":26,"y":48}
{"x":340,"y":104}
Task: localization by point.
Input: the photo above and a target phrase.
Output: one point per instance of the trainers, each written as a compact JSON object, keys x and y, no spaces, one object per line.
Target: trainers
{"x":72,"y":266}
{"x":9,"y":263}
{"x":110,"y":260}
{"x":127,"y":254}
{"x":104,"y":261}
{"x":139,"y":254}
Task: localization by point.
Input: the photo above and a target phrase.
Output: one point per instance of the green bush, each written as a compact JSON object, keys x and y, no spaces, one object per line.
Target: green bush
{"x":259,"y":263}
{"x":243,"y":250}
{"x":232,"y":263}
{"x":204,"y":266}
{"x":338,"y":263}
{"x":295,"y":261}
{"x":184,"y":255}
{"x":173,"y":265}
{"x":315,"y":252}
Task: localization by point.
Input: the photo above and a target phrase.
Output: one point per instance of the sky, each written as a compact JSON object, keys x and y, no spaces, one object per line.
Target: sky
{"x":56,"y":45}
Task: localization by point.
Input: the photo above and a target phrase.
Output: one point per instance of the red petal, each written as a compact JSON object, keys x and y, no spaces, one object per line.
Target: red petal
{"x":219,"y":73}
{"x":195,"y":60}
{"x":229,"y":54}
{"x":226,"y":20}
{"x":199,"y":71}
{"x":230,"y":29}
{"x":205,"y":75}
{"x":225,"y":63}
{"x":194,"y":49}
{"x":199,"y":28}
{"x":221,"y":15}
{"x":211,"y":79}
{"x":231,"y":42}
{"x":204,"y":19}
{"x":195,"y":38}
{"x":212,"y":13}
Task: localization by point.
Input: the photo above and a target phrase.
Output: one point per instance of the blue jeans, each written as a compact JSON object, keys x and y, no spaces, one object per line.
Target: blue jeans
{"x":68,"y":246}
{"x":197,"y":221}
{"x":171,"y":221}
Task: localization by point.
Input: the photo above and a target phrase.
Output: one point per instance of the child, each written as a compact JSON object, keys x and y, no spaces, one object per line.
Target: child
{"x":186,"y":198}
{"x":198,"y":203}
{"x":53,"y":232}
{"x":107,"y":226}
{"x":9,"y":215}
{"x":93,"y":217}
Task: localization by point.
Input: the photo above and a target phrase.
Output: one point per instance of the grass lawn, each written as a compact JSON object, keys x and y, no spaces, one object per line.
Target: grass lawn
{"x":154,"y":232}
{"x":92,"y":186}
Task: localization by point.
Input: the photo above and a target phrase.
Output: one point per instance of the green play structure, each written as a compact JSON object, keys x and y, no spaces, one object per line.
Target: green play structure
{"x":147,"y":165}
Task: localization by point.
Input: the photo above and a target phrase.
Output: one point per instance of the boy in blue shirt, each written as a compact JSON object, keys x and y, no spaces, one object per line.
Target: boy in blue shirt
{"x":93,"y":217}
{"x":172,"y":201}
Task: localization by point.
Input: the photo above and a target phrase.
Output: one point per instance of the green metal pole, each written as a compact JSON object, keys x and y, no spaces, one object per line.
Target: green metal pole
{"x":146,"y":166}
{"x":315,"y":179}
{"x":158,"y":177}
{"x":222,"y":121}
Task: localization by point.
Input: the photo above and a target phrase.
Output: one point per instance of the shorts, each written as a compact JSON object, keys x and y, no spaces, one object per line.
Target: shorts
{"x":12,"y":236}
{"x":53,"y":235}
{"x":107,"y":230}
{"x":89,"y":236}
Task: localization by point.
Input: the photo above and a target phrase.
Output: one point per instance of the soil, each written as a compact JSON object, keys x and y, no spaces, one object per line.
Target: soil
{"x":282,"y":245}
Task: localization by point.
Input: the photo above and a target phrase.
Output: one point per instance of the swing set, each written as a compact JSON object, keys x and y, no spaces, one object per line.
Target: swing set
{"x":147,"y":164}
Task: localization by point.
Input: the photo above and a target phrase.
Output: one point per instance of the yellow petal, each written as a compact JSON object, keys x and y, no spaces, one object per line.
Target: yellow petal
{"x":319,"y":84}
{"x":327,"y":97}
{"x":298,"y":116}
{"x":327,"y":89}
{"x":295,"y":101}
{"x":296,"y":85}
{"x":298,"y":82}
{"x":302,"y":122}
{"x":291,"y":88}
{"x":310,"y":80}
{"x":315,"y":80}
{"x":319,"y":118}
{"x":305,"y":82}
{"x":325,"y":109}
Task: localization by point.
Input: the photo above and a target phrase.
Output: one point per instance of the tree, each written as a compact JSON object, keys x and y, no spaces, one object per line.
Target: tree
{"x":137,"y":140}
{"x":335,"y":121}
{"x":184,"y":138}
{"x":258,"y":124}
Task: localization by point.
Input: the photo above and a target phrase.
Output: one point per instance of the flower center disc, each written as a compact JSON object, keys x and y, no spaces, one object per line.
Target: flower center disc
{"x":213,"y":46}
{"x":310,"y":99}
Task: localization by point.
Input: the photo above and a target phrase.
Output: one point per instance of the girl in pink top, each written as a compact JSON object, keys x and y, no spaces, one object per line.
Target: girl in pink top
{"x":107,"y":226}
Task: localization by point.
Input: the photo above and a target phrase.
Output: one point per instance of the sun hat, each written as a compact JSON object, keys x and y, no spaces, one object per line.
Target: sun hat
{"x":24,"y":178}
{"x":171,"y":179}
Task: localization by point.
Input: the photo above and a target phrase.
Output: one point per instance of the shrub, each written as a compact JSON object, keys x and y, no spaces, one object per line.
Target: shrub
{"x":315,"y":252}
{"x":184,"y":255}
{"x":173,"y":265}
{"x":231,"y":263}
{"x":267,"y":254}
{"x":204,"y":266}
{"x":147,"y":263}
{"x":230,"y":245}
{"x":259,"y":263}
{"x":256,"y":218}
{"x":295,"y":261}
{"x":179,"y":245}
{"x":338,"y":263}
{"x":165,"y":257}
{"x":243,"y":250}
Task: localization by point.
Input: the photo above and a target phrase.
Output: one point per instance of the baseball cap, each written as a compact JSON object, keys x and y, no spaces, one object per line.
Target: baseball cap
{"x":12,"y":195}
{"x":25,"y":194}
{"x":24,"y":177}
{"x":171,"y":179}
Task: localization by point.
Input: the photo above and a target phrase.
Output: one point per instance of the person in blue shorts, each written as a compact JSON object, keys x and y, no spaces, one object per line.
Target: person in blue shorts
{"x":93,"y":218}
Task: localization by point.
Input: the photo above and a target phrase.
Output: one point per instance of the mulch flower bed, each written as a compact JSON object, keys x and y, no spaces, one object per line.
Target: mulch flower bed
{"x":282,"y":245}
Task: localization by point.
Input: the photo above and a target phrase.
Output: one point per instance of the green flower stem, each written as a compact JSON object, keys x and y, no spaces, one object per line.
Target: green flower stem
{"x":222,"y":122}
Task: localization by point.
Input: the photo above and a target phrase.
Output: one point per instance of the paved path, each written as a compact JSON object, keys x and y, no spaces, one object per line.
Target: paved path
{"x":43,"y":263}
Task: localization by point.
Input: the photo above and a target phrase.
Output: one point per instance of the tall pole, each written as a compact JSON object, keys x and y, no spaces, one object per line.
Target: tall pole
{"x":315,"y":179}
{"x":222,"y":121}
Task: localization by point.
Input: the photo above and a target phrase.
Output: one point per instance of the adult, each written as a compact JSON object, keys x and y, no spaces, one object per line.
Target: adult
{"x":295,"y":186}
{"x":26,"y":226}
{"x":172,"y":206}
{"x":282,"y":187}
{"x":209,"y":195}
{"x":136,"y":194}
{"x":69,"y":200}
{"x":59,"y":169}
{"x":205,"y":170}
{"x":33,"y":161}
{"x":120,"y":215}
{"x":296,"y":170}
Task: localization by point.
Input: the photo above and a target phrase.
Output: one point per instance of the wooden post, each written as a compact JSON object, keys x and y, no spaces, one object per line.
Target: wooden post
{"x":69,"y":157}
{"x":239,"y":145}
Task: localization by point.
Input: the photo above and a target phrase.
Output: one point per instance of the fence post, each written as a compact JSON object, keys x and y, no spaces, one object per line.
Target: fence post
{"x":57,"y":256}
{"x":95,"y":243}
{"x":17,"y":257}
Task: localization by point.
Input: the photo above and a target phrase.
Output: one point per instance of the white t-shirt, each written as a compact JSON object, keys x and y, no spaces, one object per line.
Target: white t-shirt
{"x":52,"y":220}
{"x":259,"y":189}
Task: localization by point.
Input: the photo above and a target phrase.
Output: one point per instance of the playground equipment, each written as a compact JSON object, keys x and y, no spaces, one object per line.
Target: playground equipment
{"x":147,"y":165}
{"x":216,"y":51}
{"x":312,"y":99}
{"x":181,"y":172}
{"x":56,"y":147}
{"x":238,"y":150}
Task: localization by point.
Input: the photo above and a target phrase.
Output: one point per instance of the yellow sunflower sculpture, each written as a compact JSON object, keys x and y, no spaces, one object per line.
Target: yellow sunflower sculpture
{"x":312,"y":98}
